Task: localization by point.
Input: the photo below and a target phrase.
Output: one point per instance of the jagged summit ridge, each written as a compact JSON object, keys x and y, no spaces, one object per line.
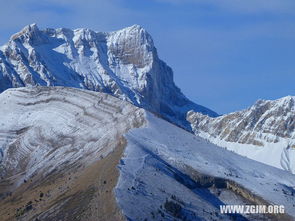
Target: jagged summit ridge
{"x":123,"y":63}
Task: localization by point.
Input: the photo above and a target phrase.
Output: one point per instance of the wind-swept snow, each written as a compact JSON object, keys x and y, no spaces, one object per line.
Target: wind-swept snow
{"x":162,"y":160}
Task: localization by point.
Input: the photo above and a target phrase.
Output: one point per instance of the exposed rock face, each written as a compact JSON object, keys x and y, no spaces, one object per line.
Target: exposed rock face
{"x":61,"y":147}
{"x":122,"y":63}
{"x":267,"y":124}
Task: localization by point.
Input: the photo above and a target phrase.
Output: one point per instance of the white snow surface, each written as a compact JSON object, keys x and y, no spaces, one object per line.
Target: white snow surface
{"x":158,"y":151}
{"x":264,"y":132}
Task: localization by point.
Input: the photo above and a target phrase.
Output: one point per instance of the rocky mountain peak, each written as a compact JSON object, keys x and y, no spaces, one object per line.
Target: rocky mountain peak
{"x":270,"y":114}
{"x":133,"y":45}
{"x":27,"y":31}
{"x":122,"y":63}
{"x":287,"y":102}
{"x":30,"y":34}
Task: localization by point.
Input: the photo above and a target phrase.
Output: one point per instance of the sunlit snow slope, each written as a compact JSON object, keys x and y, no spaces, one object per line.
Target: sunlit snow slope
{"x":169,"y":174}
{"x":264,"y":132}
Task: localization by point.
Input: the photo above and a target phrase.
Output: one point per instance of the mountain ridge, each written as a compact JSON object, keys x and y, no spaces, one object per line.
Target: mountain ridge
{"x":265,"y":131}
{"x":123,"y":63}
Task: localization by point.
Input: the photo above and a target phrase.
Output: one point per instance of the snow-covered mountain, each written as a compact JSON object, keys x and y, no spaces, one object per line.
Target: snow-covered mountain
{"x":75,"y":154}
{"x":122,"y":63}
{"x":264,"y":132}
{"x":61,"y":147}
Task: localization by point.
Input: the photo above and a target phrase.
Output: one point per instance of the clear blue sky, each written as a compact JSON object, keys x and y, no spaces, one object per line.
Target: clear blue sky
{"x":225,"y":54}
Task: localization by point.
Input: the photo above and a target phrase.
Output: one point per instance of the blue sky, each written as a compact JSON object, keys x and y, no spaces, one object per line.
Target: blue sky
{"x":225,"y":54}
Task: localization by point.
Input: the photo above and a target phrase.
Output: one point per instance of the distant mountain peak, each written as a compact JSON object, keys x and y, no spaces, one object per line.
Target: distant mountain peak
{"x":289,"y":100}
{"x":30,"y":28}
{"x":262,"y":132}
{"x":27,"y":32}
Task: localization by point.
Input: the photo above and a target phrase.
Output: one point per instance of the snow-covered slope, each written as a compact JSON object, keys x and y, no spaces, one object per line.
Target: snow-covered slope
{"x":61,"y":147}
{"x":66,"y":117}
{"x":163,"y":163}
{"x":122,"y":63}
{"x":264,"y":132}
